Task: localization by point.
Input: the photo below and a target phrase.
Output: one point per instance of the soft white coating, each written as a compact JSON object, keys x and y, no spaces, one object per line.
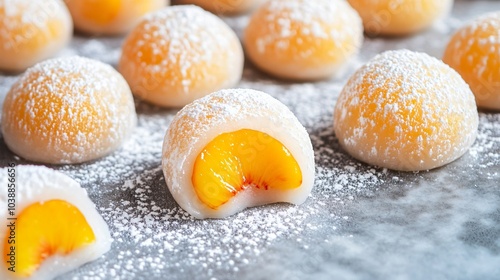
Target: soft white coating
{"x":37,"y":184}
{"x":225,"y":111}
{"x":32,"y":31}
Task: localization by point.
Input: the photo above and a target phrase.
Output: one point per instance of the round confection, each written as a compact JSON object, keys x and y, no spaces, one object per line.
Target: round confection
{"x":56,"y":228}
{"x":406,"y":111}
{"x":224,"y":6}
{"x":179,"y":54}
{"x":303,"y":39}
{"x":393,"y":18}
{"x":248,"y":148}
{"x":111,"y":17}
{"x":68,"y":110}
{"x":474,"y":51}
{"x":32,"y":31}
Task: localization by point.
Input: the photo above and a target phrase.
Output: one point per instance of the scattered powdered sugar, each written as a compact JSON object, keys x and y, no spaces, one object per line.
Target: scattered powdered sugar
{"x":225,"y":111}
{"x":155,"y":239}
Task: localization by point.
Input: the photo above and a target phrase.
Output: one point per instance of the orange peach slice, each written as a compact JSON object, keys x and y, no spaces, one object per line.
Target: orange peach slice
{"x":53,"y":227}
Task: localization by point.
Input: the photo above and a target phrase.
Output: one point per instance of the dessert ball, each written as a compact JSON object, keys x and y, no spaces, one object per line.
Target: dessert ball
{"x":224,"y":6}
{"x":474,"y":51}
{"x":235,"y":149}
{"x":32,"y":31}
{"x":68,"y":110}
{"x":110,"y":17}
{"x":56,"y":227}
{"x":389,"y":17}
{"x":406,"y":111}
{"x":303,"y":39}
{"x":179,"y":54}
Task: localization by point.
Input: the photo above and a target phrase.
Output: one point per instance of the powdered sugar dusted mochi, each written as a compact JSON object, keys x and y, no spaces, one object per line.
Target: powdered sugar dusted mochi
{"x":111,"y":16}
{"x":226,"y":111}
{"x":68,"y":110}
{"x":39,"y":186}
{"x":303,"y":39}
{"x":407,"y":111}
{"x":474,"y":51}
{"x":179,"y":54}
{"x":388,"y":17}
{"x":31,"y":31}
{"x":224,"y":6}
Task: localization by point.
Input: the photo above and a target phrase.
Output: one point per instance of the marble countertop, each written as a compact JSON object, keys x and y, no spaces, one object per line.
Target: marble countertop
{"x":360,"y":222}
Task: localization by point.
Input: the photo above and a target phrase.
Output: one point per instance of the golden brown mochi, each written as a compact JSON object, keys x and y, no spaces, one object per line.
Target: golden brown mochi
{"x":394,"y":18}
{"x":303,"y":39}
{"x":234,"y":149}
{"x":224,"y":6}
{"x":68,"y":110}
{"x":32,"y":31}
{"x":179,"y":54}
{"x":110,"y":17}
{"x":406,"y":111}
{"x":474,"y":51}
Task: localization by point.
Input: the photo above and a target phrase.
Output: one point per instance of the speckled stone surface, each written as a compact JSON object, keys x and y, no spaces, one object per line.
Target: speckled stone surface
{"x":360,"y":222}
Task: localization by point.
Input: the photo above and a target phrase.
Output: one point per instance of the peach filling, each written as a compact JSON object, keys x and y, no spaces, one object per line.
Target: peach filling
{"x":44,"y":229}
{"x":237,"y":160}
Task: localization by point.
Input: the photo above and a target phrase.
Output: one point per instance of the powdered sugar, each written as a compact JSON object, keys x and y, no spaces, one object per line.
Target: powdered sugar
{"x":324,"y":237}
{"x":180,"y":49}
{"x":33,"y":18}
{"x":406,"y":111}
{"x":287,"y":25}
{"x":68,"y":110}
{"x":39,"y":184}
{"x":228,"y":111}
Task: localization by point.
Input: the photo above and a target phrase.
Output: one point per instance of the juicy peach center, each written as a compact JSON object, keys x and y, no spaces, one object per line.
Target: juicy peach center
{"x":44,"y":229}
{"x":245,"y":158}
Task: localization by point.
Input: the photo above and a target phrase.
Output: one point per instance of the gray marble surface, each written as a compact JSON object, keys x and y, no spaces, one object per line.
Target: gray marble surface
{"x":360,"y":222}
